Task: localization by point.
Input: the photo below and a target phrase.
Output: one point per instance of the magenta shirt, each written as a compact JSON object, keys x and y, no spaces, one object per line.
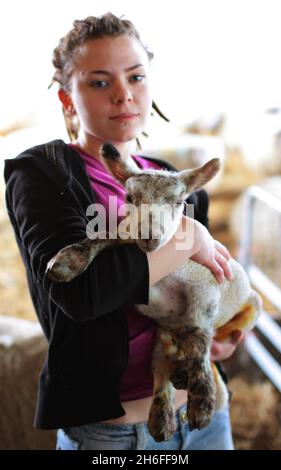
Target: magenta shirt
{"x":137,"y":380}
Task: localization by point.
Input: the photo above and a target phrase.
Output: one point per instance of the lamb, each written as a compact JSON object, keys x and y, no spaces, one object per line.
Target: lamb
{"x":186,"y":319}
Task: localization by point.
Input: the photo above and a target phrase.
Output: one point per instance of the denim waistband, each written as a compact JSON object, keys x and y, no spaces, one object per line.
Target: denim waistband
{"x":128,"y":429}
{"x":102,"y":436}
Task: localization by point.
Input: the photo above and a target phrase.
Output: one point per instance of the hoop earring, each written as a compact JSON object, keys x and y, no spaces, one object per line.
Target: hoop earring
{"x":72,"y":124}
{"x":70,"y":111}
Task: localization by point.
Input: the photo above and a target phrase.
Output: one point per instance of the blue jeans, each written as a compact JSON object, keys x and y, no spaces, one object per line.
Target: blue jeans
{"x":100,"y":436}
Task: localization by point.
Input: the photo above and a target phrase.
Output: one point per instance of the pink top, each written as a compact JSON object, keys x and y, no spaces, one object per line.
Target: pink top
{"x":137,"y":380}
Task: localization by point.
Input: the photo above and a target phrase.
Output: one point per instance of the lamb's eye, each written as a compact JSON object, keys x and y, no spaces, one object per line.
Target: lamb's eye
{"x":179,"y":203}
{"x":129,"y":198}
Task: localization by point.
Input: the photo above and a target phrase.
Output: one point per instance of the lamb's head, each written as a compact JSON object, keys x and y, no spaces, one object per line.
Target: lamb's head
{"x":158,"y":196}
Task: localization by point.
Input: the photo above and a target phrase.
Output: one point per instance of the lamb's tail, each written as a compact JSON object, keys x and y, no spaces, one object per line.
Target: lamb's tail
{"x":244,"y":320}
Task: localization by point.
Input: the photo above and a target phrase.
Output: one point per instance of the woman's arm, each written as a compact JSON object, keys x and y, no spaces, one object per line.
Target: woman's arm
{"x":204,"y":250}
{"x":44,"y":222}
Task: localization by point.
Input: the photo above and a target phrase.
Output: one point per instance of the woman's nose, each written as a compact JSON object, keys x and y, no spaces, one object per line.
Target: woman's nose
{"x":121,"y":95}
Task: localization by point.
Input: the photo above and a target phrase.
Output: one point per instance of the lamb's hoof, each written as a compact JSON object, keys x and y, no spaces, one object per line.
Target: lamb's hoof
{"x":199,"y":414}
{"x":161,"y":424}
{"x":59,"y":273}
{"x":197,"y":421}
{"x":68,"y":263}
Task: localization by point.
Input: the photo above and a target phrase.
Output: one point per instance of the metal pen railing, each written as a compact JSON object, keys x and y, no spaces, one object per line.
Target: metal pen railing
{"x":266,"y":325}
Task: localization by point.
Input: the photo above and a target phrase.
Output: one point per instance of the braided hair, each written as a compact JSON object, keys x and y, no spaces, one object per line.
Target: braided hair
{"x":92,"y":27}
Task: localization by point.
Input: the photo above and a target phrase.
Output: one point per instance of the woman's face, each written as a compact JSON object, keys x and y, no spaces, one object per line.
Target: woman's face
{"x":110,"y":88}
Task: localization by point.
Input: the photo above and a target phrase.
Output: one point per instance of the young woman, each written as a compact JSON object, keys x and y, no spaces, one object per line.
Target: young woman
{"x":96,"y":384}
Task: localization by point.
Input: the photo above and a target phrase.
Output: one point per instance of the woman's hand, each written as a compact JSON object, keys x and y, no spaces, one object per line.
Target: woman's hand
{"x":221,"y":351}
{"x":191,"y":240}
{"x":211,"y":253}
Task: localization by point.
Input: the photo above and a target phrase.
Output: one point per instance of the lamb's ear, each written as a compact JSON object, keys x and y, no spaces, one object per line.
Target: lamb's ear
{"x":117,"y":167}
{"x":195,"y":179}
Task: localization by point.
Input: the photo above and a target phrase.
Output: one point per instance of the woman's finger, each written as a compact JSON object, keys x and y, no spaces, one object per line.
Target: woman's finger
{"x":224,"y":265}
{"x":216,"y":270}
{"x":236,"y":337}
{"x":220,"y":351}
{"x":222,"y":249}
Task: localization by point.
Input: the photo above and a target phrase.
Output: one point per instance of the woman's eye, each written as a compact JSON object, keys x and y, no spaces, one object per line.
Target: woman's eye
{"x":99,"y":84}
{"x":179,"y":202}
{"x":137,"y":78}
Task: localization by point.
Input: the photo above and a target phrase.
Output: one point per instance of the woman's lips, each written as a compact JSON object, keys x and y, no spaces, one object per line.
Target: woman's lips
{"x":124,"y":117}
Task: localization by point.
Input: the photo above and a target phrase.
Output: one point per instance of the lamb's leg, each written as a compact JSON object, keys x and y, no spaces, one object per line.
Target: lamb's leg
{"x":200,"y":381}
{"x":74,"y":259}
{"x":222,"y":395}
{"x":161,"y":421}
{"x":178,"y":370}
{"x":178,"y":374}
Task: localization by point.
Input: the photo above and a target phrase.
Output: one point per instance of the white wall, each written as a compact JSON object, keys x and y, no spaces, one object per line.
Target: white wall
{"x":220,"y":55}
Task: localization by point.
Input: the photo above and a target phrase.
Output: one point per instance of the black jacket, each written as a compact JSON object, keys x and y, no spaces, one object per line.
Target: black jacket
{"x":48,"y":192}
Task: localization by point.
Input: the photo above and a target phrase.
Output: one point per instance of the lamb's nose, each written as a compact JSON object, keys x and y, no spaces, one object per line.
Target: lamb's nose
{"x":149,"y":245}
{"x":145,"y":232}
{"x":146,"y":235}
{"x":150,"y":234}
